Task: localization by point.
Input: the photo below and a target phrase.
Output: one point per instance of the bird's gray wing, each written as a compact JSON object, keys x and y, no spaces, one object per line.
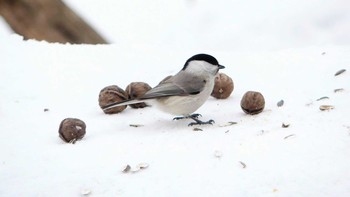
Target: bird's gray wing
{"x":179,"y":85}
{"x":162,"y":90}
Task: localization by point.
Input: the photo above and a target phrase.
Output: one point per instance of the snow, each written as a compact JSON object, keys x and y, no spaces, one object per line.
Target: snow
{"x":66,"y":79}
{"x":255,"y":157}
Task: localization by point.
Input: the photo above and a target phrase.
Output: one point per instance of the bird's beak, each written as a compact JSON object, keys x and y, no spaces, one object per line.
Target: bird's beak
{"x":221,"y":67}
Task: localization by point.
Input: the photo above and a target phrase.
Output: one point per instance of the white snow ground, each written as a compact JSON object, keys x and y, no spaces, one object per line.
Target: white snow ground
{"x":309,"y":158}
{"x":66,"y":79}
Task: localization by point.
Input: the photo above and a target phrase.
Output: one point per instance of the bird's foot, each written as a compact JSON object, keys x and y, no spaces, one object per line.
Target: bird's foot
{"x":186,"y":117}
{"x":199,"y":122}
{"x":196,"y":120}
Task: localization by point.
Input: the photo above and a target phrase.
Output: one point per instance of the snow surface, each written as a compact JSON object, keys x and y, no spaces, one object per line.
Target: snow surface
{"x":288,"y":51}
{"x":66,"y":79}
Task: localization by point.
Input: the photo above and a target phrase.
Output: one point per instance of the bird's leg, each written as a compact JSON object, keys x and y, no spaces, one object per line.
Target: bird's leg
{"x":194,"y":116}
{"x":186,"y":117}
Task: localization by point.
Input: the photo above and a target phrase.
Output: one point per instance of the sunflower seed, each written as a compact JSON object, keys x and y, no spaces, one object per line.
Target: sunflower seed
{"x":339,"y":72}
{"x":139,"y":167}
{"x":136,"y":125}
{"x":197,"y":129}
{"x":280,"y":103}
{"x":324,"y":97}
{"x":228,"y":124}
{"x":85,"y":192}
{"x":218,"y":154}
{"x":243,"y":164}
{"x":142,"y":165}
{"x":285,"y":125}
{"x":338,"y":90}
{"x":126,"y":168}
{"x":289,"y":136}
{"x":136,"y":169}
{"x":326,"y":107}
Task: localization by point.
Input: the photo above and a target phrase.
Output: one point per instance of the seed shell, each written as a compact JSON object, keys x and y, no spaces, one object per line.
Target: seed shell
{"x":326,"y":107}
{"x":285,"y":125}
{"x":322,"y":98}
{"x":339,"y":72}
{"x":280,"y":103}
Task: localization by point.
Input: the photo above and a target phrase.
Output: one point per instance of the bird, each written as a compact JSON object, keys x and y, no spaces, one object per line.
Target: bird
{"x":183,"y":93}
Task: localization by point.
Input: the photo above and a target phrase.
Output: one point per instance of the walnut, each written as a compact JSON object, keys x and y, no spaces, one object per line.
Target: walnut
{"x":135,"y":90}
{"x":223,"y":86}
{"x":72,"y":129}
{"x":112,"y":94}
{"x":252,"y":102}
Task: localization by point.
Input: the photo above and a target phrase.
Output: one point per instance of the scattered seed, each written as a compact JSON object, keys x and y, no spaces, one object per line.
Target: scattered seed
{"x":323,"y":53}
{"x":136,"y":125}
{"x":142,"y":165}
{"x":46,"y":110}
{"x":197,"y":129}
{"x":232,"y":123}
{"x":218,"y":154}
{"x":126,"y":168}
{"x":243,"y":164}
{"x":135,"y":169}
{"x":324,"y":97}
{"x":326,"y":107}
{"x":285,"y":125}
{"x":228,"y":124}
{"x":280,"y":103}
{"x":288,"y":136}
{"x":139,"y":167}
{"x":338,"y":90}
{"x":339,"y":72}
{"x":85,"y":192}
{"x":73,"y":141}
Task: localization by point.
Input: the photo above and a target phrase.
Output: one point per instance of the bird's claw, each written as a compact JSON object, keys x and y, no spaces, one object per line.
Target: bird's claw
{"x":198,"y":122}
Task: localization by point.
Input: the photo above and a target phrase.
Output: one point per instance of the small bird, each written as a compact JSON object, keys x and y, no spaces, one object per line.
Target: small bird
{"x":183,"y":93}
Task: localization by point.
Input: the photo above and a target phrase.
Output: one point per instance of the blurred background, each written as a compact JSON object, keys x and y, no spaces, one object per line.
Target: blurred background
{"x":222,"y":25}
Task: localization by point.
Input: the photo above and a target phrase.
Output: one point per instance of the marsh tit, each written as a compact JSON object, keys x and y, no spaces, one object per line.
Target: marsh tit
{"x":183,"y":93}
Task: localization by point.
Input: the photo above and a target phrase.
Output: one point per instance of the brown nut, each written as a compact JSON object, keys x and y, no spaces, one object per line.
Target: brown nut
{"x":223,"y":86}
{"x":135,"y":90}
{"x":109,"y":95}
{"x":71,"y":130}
{"x":253,"y":102}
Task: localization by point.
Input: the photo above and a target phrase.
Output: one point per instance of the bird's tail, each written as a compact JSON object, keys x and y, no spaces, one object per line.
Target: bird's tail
{"x":121,"y":103}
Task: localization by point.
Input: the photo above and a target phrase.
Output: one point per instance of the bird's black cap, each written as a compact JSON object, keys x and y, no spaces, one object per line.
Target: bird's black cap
{"x":203,"y":57}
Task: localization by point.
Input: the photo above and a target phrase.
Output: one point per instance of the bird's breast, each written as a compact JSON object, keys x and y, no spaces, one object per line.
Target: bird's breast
{"x":186,"y":105}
